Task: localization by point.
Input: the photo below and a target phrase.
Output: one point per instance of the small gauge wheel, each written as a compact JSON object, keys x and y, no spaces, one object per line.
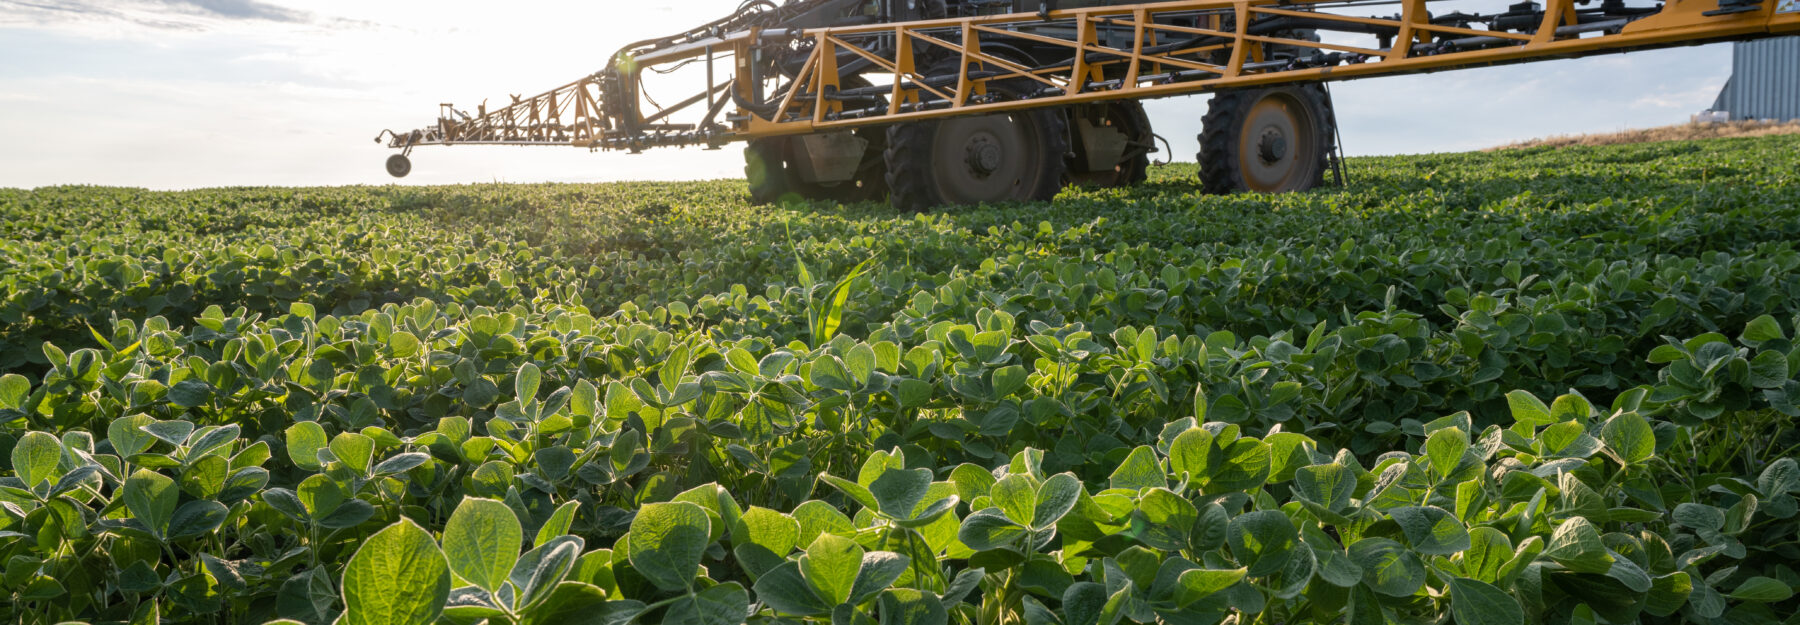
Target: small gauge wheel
{"x":399,"y":166}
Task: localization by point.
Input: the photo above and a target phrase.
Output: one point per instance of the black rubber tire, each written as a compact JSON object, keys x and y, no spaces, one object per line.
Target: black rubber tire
{"x":768,"y":166}
{"x":871,"y":174}
{"x":769,"y":169}
{"x":1222,"y":161}
{"x":1135,"y":168}
{"x":399,"y":166}
{"x":912,"y":186}
{"x":766,"y":169}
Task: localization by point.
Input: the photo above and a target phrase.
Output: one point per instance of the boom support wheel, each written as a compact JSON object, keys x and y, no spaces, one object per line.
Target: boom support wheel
{"x":399,"y":166}
{"x":1270,"y":140}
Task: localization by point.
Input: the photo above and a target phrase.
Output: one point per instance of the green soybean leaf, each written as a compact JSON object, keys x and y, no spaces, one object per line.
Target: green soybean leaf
{"x":1262,"y":541}
{"x":971,"y":481}
{"x":1629,"y":436}
{"x":304,"y":440}
{"x":1164,"y":520}
{"x":1480,"y":603}
{"x":401,"y":463}
{"x":196,"y":518}
{"x":1668,"y":593}
{"x":786,"y":590}
{"x":1139,"y":470}
{"x":1329,"y":485}
{"x":286,"y":502}
{"x":1445,"y":449}
{"x":722,"y":511}
{"x":308,"y":597}
{"x":1432,"y":531}
{"x":14,"y":388}
{"x":1016,"y":496}
{"x":525,"y":385}
{"x":879,"y":570}
{"x":1197,"y":584}
{"x":1289,"y":451}
{"x":667,"y":540}
{"x":1699,"y":517}
{"x":1571,"y":407}
{"x":817,"y":517}
{"x":84,"y":474}
{"x":354,"y":450}
{"x":1334,"y":564}
{"x":771,"y":530}
{"x":321,"y":495}
{"x":1008,"y":380}
{"x":351,"y":514}
{"x":558,"y":523}
{"x":35,"y":457}
{"x":965,"y":582}
{"x":1528,"y":409}
{"x":1762,"y":590}
{"x":1388,"y":567}
{"x":151,"y":498}
{"x":1083,"y":603}
{"x":896,"y":492}
{"x":128,"y":437}
{"x":397,"y":577}
{"x":724,"y":604}
{"x":1576,"y":544}
{"x":830,"y":567}
{"x":1781,"y":476}
{"x":209,"y":439}
{"x":190,"y":393}
{"x":172,"y":432}
{"x":1190,"y":453}
{"x":1200,"y":403}
{"x":1762,"y":329}
{"x":856,"y":492}
{"x":1489,"y":550}
{"x":989,"y":529}
{"x":482,"y":541}
{"x":1055,"y":498}
{"x":905,"y":606}
{"x":541,"y":569}
{"x":575,"y":603}
{"x":1243,"y":465}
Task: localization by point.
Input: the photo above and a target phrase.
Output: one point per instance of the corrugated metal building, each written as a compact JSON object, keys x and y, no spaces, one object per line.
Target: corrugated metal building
{"x":1765,"y":81}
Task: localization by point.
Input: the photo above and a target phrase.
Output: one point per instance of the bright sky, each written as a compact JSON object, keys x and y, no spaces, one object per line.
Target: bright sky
{"x":172,"y":94}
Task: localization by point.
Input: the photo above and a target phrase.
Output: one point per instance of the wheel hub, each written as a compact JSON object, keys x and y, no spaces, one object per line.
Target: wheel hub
{"x":1279,"y":146}
{"x":1273,"y":146}
{"x":987,"y":158}
{"x":983,"y":155}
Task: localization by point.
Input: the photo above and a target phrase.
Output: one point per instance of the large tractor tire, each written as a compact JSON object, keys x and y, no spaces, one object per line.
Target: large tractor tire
{"x":771,"y":167}
{"x":1270,"y":140}
{"x":1110,"y":124}
{"x":1018,"y":156}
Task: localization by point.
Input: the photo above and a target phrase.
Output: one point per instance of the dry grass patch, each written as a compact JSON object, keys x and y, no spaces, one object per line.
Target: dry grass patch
{"x":1679,"y":132}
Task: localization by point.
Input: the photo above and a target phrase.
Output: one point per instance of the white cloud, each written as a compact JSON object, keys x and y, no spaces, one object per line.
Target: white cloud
{"x":1691,"y":99}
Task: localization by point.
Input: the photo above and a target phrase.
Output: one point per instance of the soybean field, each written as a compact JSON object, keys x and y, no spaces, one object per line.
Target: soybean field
{"x":1535,"y":386}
